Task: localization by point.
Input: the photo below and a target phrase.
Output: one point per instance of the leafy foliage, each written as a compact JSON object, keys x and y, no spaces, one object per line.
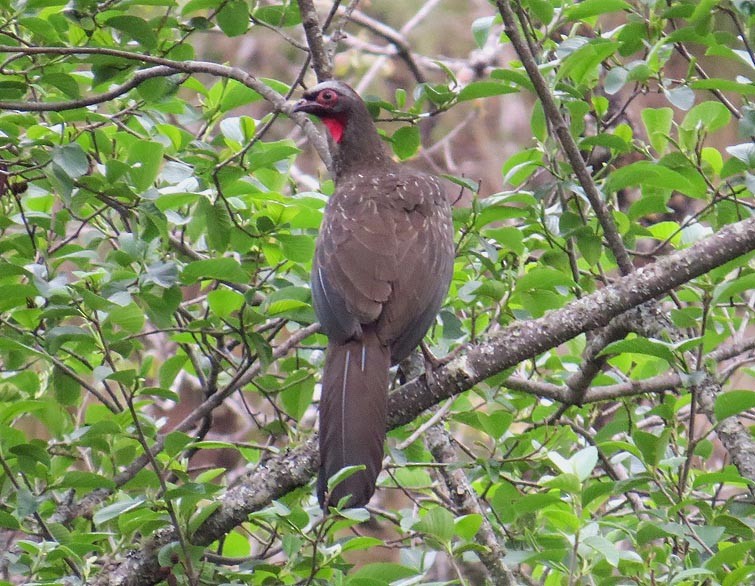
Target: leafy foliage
{"x":158,"y":340}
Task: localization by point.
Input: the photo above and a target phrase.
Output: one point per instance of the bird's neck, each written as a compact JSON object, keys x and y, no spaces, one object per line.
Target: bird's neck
{"x":360,"y":147}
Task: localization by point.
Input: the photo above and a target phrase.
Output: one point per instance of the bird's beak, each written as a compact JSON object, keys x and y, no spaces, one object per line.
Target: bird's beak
{"x":303,"y":105}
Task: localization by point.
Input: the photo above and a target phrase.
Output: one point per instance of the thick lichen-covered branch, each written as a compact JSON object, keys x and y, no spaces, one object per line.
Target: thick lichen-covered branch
{"x":518,"y":342}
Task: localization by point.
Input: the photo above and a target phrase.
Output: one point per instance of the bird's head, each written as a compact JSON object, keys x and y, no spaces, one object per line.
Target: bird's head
{"x":335,"y":103}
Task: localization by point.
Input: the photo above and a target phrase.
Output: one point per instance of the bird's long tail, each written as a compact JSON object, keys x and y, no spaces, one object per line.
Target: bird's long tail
{"x":352,"y":417}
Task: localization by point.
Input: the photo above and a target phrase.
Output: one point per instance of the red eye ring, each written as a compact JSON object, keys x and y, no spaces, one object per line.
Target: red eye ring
{"x":327,"y":97}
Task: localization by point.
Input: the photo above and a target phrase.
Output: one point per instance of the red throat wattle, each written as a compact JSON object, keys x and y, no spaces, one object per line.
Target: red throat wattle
{"x":335,"y":126}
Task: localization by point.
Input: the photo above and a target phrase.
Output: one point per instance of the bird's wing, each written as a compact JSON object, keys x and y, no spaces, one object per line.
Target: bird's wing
{"x":425,"y":256}
{"x":354,"y":262}
{"x":384,"y":256}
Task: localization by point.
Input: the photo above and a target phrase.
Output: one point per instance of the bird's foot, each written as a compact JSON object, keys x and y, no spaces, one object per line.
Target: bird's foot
{"x":433,"y":363}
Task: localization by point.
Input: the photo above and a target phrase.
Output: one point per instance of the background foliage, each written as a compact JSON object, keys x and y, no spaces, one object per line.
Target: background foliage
{"x":159,"y":351}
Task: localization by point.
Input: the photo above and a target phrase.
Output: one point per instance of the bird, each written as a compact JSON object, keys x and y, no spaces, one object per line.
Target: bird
{"x":382,"y":266}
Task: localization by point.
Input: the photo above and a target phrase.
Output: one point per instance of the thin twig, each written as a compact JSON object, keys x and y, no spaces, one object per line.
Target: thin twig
{"x":321,"y":62}
{"x":568,"y":144}
{"x":278,"y":101}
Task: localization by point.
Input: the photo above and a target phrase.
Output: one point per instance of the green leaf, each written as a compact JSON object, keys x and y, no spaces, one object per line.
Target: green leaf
{"x":742,"y":574}
{"x":159,"y":392}
{"x":484,"y":89}
{"x":59,"y":335}
{"x":640,"y":345}
{"x":565,"y":482}
{"x":175,"y":442}
{"x":584,"y":462}
{"x":233,"y":18}
{"x":481,"y":29}
{"x":535,"y":502}
{"x":297,"y":396}
{"x":64,"y":82}
{"x":439,"y":523}
{"x":128,"y":317}
{"x":682,"y":97}
{"x":580,"y":465}
{"x":8,"y":521}
{"x":703,"y":10}
{"x":233,"y":129}
{"x":381,"y":573}
{"x":219,"y":225}
{"x":77,"y":479}
{"x":615,"y":79}
{"x":584,"y":61}
{"x":360,"y":543}
{"x":647,"y":173}
{"x":196,"y":5}
{"x":463,"y":182}
{"x":708,"y":116}
{"x":9,"y":411}
{"x":297,"y":248}
{"x":281,"y":15}
{"x":658,"y":126}
{"x":71,"y":159}
{"x":406,"y":141}
{"x":268,"y":153}
{"x":223,"y":302}
{"x":652,"y":446}
{"x":589,"y":8}
{"x":745,"y":152}
{"x":733,"y":402}
{"x":135,"y":27}
{"x":343,"y":474}
{"x":42,"y":29}
{"x":590,"y":246}
{"x":222,"y":269}
{"x":543,"y":278}
{"x":30,"y":454}
{"x":542,"y":9}
{"x":237,"y":94}
{"x":520,"y":166}
{"x":116,"y":509}
{"x":171,"y":201}
{"x":360,"y":515}
{"x":605,"y":548}
{"x":686,"y":576}
{"x":145,"y":158}
{"x":724,"y":85}
{"x":467,"y":526}
{"x":509,"y":237}
{"x":728,"y":290}
{"x":157,"y":88}
{"x":211,"y":445}
{"x":730,"y":475}
{"x":66,"y":388}
{"x":495,"y":424}
{"x":732,"y":555}
{"x":262,"y":348}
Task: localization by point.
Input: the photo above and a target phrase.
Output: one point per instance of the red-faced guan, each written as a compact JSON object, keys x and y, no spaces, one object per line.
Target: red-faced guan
{"x":382,"y":267}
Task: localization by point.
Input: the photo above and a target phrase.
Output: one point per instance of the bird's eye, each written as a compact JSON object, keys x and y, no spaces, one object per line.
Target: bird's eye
{"x":327,"y":97}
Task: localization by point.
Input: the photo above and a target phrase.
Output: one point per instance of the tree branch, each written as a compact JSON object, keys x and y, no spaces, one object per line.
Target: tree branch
{"x":518,"y":342}
{"x":118,"y":90}
{"x":526,"y":339}
{"x":277,"y":100}
{"x":569,"y":146}
{"x":85,"y":507}
{"x":734,"y":436}
{"x":464,"y":498}
{"x":321,"y":62}
{"x":403,"y":49}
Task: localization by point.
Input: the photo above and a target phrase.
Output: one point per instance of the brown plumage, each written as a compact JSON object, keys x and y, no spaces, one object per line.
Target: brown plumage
{"x":382,"y":266}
